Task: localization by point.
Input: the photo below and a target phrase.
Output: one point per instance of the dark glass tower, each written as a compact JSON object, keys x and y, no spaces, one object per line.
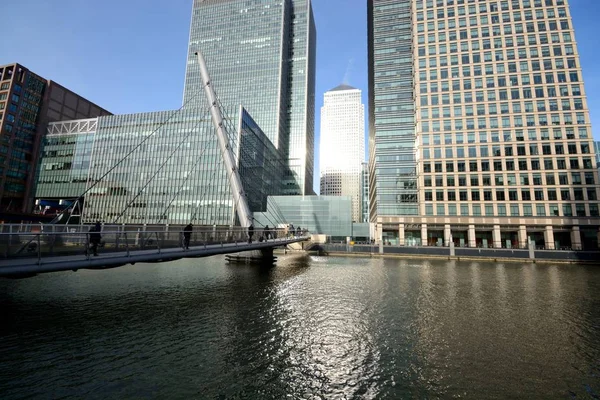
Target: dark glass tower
{"x":261,"y":54}
{"x":392,"y":133}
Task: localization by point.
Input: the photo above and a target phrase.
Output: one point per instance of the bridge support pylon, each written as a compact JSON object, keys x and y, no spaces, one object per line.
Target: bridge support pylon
{"x":257,"y":257}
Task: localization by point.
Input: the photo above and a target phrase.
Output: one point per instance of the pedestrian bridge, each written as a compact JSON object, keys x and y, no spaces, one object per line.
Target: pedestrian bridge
{"x":27,"y":251}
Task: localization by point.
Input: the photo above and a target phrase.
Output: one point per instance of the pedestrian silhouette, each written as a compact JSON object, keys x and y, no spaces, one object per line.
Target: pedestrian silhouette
{"x":187,"y":235}
{"x":95,"y":237}
{"x":250,"y":233}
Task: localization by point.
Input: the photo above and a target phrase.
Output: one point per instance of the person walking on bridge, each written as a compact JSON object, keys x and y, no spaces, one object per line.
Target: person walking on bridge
{"x":250,"y":232}
{"x":187,"y":235}
{"x":95,"y":237}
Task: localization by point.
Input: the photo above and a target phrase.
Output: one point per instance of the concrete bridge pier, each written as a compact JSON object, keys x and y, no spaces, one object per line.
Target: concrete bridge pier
{"x":261,"y":257}
{"x":267,"y":254}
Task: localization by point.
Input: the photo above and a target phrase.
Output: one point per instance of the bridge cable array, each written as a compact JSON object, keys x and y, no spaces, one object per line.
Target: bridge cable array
{"x":156,"y":172}
{"x":231,"y":130}
{"x":191,"y":172}
{"x":246,"y":152}
{"x":111,"y":169}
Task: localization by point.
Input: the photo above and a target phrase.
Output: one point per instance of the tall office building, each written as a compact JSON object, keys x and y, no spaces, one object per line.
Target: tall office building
{"x":495,"y":147}
{"x":261,"y":54}
{"x":343,"y":145}
{"x":28,"y":103}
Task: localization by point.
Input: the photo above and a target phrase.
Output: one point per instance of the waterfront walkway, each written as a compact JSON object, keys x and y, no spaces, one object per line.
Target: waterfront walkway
{"x":461,"y":253}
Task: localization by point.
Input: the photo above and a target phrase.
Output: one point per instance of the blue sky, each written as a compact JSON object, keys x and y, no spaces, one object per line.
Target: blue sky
{"x":129,"y":55}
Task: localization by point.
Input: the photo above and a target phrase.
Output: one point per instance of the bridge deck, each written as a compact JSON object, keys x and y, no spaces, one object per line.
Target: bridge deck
{"x":28,"y":266}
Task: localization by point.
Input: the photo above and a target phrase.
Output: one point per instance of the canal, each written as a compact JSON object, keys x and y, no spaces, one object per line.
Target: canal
{"x":312,"y":327}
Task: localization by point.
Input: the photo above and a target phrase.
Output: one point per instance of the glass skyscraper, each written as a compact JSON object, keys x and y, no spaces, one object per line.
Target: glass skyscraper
{"x":392,"y":132}
{"x":301,"y":101}
{"x":479,"y":127}
{"x":261,"y":54}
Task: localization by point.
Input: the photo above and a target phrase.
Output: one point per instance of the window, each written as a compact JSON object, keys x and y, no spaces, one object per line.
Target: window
{"x":567,"y":210}
{"x":514,"y":210}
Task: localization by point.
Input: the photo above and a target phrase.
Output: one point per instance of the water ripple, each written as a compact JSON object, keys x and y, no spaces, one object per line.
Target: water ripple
{"x":312,"y":327}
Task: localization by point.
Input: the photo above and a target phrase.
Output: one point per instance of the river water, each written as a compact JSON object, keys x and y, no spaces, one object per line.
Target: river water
{"x":312,"y":327}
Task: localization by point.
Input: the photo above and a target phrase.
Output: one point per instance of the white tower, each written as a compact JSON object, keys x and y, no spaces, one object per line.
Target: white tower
{"x":343,"y":145}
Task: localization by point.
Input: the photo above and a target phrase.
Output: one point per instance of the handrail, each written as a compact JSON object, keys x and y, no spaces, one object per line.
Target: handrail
{"x":27,"y":244}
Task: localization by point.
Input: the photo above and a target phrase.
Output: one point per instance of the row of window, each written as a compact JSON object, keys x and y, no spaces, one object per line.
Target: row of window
{"x":449,"y":39}
{"x":496,"y":95}
{"x":499,"y":81}
{"x":521,"y":150}
{"x":513,"y":195}
{"x":511,"y":67}
{"x":472,"y":151}
{"x":496,"y":30}
{"x":522,"y":164}
{"x":517,"y":16}
{"x":13,"y":187}
{"x":503,"y":94}
{"x":68,"y":152}
{"x":15,"y":97}
{"x":504,"y":5}
{"x":495,"y":71}
{"x":494,"y":122}
{"x":491,"y":109}
{"x":504,"y":18}
{"x":505,"y":53}
{"x":511,"y":180}
{"x":515,"y":210}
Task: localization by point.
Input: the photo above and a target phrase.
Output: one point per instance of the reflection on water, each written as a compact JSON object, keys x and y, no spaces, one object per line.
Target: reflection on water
{"x":308,"y":327}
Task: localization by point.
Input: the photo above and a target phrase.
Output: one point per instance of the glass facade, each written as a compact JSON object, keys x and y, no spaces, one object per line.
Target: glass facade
{"x":65,"y":162}
{"x":392,"y":137}
{"x":261,"y":54}
{"x":161,"y":167}
{"x":261,"y":165}
{"x":301,"y":102}
{"x":244,"y":63}
{"x":328,"y":215}
{"x":597,"y":152}
{"x":364,"y":192}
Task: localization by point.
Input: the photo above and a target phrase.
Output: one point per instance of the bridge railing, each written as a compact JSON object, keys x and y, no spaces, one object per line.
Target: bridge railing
{"x":29,"y":241}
